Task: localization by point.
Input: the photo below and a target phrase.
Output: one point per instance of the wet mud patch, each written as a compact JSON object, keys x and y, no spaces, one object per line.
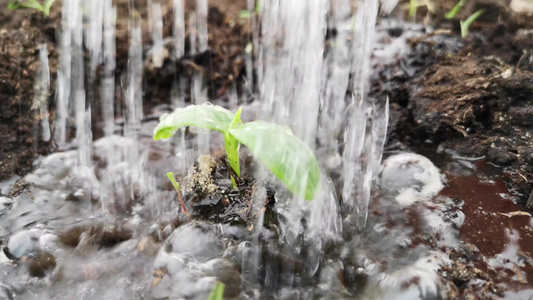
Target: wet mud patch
{"x":494,"y":257}
{"x":469,"y":105}
{"x":476,"y":104}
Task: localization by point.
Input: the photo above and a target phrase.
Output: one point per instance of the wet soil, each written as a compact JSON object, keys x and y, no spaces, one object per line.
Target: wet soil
{"x":21,"y":32}
{"x":496,"y":234}
{"x":469,"y":98}
{"x":465,"y":95}
{"x":220,"y":68}
{"x":462,"y":94}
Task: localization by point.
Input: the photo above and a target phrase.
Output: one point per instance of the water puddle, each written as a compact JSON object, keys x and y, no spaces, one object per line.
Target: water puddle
{"x":499,"y":229}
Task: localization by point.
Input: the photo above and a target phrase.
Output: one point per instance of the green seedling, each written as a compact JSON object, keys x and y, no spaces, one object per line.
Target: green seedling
{"x":204,"y":116}
{"x":413,"y":7}
{"x":218,"y":291}
{"x":468,"y":22}
{"x":245,"y":14}
{"x":248,"y":14}
{"x":453,"y":13}
{"x":34,"y":4}
{"x":177,"y":186}
{"x":289,"y":158}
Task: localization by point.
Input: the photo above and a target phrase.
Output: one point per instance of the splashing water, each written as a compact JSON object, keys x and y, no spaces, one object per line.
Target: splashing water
{"x":108,"y":80}
{"x":308,"y":78}
{"x":42,"y":88}
{"x":357,"y":157}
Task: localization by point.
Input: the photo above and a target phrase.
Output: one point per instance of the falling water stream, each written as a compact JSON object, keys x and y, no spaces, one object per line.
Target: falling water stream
{"x":108,"y":199}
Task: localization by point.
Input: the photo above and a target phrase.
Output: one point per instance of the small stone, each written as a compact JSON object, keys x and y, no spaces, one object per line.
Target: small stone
{"x":499,"y":156}
{"x":148,"y":246}
{"x":198,"y":238}
{"x":410,"y":177}
{"x":38,"y":265}
{"x":5,"y":204}
{"x":395,"y":32}
{"x":23,"y":243}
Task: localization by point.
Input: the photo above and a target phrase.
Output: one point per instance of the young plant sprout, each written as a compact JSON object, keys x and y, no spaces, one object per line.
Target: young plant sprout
{"x":177,"y":186}
{"x":19,"y":4}
{"x":289,"y":158}
{"x":451,"y":14}
{"x":413,"y":7}
{"x":218,"y":291}
{"x":468,"y":22}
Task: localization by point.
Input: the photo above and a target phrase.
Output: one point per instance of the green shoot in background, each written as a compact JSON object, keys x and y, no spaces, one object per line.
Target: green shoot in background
{"x":466,"y":24}
{"x":289,"y":158}
{"x":455,"y":10}
{"x":177,"y":186}
{"x":19,"y":4}
{"x":413,"y":7}
{"x":218,"y":291}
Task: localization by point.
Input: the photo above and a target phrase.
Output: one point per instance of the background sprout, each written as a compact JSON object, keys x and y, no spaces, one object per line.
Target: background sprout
{"x":466,"y":24}
{"x":218,"y":291}
{"x":20,"y":4}
{"x":177,"y":186}
{"x":451,"y":14}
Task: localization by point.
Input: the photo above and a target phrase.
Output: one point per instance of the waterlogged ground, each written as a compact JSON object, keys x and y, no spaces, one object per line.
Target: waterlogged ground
{"x":113,"y":229}
{"x":65,"y":237}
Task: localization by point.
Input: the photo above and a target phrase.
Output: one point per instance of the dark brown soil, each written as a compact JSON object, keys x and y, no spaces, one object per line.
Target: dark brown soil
{"x":221,"y":66}
{"x":465,"y":95}
{"x":22,"y":31}
{"x":468,"y":102}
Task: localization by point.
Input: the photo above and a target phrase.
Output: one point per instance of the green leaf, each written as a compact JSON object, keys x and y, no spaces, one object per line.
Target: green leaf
{"x":47,"y":6}
{"x":232,"y":144}
{"x":218,"y":291}
{"x":284,"y":154}
{"x":205,"y":116}
{"x":413,"y":7}
{"x":455,"y":10}
{"x":245,"y":14}
{"x":17,"y":4}
{"x":13,"y":5}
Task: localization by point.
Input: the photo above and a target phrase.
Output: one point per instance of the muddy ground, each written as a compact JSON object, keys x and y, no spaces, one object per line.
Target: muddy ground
{"x":464,"y":95}
{"x":22,"y":31}
{"x":20,"y":36}
{"x":467,"y":95}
